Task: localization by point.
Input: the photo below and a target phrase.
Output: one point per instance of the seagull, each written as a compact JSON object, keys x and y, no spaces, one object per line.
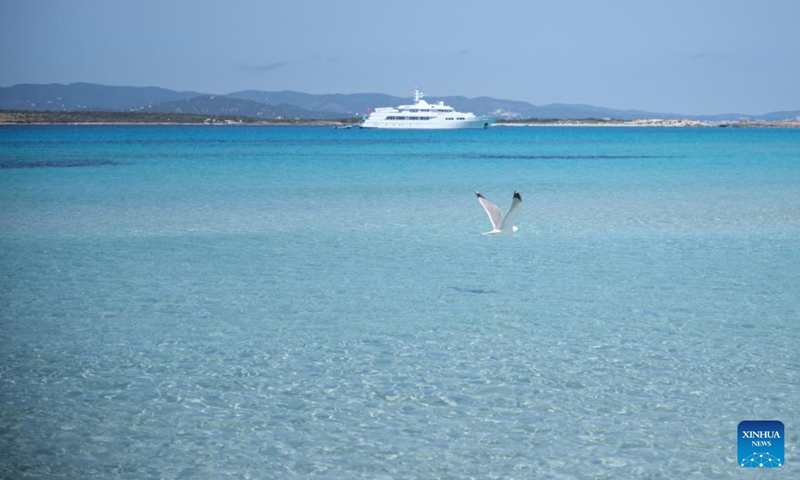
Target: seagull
{"x":501,"y":225}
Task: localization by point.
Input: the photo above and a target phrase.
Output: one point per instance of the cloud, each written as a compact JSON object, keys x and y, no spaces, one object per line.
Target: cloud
{"x":265,"y":67}
{"x":711,"y":57}
{"x":332,"y":59}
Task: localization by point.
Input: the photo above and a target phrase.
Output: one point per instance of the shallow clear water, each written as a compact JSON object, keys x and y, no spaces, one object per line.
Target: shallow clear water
{"x":269,"y":302}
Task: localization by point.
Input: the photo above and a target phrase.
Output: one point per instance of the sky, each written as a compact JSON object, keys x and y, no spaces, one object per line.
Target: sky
{"x":676,"y":56}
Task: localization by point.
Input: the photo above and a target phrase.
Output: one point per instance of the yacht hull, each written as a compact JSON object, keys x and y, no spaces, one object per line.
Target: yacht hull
{"x":474,"y":124}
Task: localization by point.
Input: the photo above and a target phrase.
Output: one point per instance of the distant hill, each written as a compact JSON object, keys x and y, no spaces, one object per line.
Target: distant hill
{"x":224,"y":105}
{"x":85,"y":96}
{"x":339,"y":104}
{"x":290,"y":104}
{"x":572,"y":111}
{"x":359,"y":102}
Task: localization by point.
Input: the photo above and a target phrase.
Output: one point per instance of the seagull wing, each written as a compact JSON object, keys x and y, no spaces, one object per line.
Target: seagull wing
{"x":516,"y":206}
{"x":495,"y":215}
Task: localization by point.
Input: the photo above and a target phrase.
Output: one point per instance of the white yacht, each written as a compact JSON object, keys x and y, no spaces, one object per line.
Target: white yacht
{"x":422,"y":115}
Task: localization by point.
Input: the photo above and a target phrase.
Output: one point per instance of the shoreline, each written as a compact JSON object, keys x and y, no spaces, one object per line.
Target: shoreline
{"x":652,"y":122}
{"x":144,"y":124}
{"x":19,"y":117}
{"x":24,"y":117}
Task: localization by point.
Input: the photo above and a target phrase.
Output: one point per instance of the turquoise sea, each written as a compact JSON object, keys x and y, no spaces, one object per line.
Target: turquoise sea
{"x":205,"y":302}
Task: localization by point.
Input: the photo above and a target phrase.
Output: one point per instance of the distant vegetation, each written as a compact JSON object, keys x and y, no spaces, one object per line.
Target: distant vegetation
{"x":557,"y":121}
{"x":51,"y":117}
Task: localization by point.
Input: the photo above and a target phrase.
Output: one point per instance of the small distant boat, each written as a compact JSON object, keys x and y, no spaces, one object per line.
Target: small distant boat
{"x":342,"y":127}
{"x":423,"y":115}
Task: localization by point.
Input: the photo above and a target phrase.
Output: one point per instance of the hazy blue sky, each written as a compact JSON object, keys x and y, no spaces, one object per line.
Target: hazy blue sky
{"x":694,"y":56}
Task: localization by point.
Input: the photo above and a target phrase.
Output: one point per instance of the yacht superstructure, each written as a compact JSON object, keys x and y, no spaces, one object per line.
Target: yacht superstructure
{"x":423,"y":115}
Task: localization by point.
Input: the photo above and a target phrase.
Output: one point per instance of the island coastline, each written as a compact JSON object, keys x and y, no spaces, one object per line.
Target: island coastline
{"x":30,"y":117}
